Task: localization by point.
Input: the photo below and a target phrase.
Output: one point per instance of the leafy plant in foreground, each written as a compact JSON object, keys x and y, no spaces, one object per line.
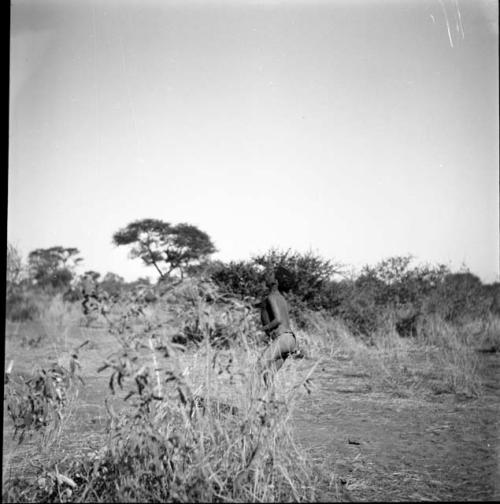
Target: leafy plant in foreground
{"x":37,"y":403}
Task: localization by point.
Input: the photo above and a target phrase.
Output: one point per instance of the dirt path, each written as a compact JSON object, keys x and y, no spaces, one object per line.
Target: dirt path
{"x":390,"y":449}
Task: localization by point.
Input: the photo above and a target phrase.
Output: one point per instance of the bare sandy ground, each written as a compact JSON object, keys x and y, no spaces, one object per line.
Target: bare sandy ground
{"x":385,"y":448}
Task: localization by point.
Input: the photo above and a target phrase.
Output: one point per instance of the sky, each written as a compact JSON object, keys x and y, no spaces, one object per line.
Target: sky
{"x":358,"y":130}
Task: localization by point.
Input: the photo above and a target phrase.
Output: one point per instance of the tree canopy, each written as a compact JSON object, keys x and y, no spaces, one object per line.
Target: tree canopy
{"x":53,"y":267}
{"x":165,"y":246}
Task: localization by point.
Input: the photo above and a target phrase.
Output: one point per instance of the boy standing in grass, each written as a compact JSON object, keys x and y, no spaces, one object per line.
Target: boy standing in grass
{"x":276,"y":324}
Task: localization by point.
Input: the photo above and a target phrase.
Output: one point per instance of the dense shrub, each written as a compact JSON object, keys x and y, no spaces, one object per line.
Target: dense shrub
{"x":393,"y":286}
{"x":299,"y":311}
{"x":303,"y":275}
{"x":72,"y":295}
{"x":358,"y":306}
{"x":37,"y":403}
{"x":113,"y":284}
{"x":242,"y":278}
{"x":305,"y":279}
{"x":491,"y":293}
{"x":208,"y":312}
{"x":460,"y":296}
{"x":21,"y":306}
{"x":396,"y":283}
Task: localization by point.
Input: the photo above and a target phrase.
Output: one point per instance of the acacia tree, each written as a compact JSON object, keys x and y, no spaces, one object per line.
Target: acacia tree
{"x":54,"y":266}
{"x":157,"y":242}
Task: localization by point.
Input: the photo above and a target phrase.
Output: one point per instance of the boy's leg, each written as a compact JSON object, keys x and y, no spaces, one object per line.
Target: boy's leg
{"x":269,"y":369}
{"x":274,"y":356}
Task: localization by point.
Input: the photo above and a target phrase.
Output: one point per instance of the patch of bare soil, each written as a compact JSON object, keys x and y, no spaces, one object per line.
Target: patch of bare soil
{"x":378,"y":447}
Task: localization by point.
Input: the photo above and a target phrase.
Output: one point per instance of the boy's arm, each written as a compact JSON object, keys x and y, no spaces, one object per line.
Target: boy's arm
{"x":276,"y":316}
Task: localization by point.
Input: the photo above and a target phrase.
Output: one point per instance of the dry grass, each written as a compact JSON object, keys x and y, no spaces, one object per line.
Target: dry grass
{"x":442,"y":359}
{"x":197,"y":425}
{"x":214,"y":435}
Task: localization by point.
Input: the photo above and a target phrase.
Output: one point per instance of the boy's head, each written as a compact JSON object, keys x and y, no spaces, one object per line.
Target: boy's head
{"x":270,"y":279}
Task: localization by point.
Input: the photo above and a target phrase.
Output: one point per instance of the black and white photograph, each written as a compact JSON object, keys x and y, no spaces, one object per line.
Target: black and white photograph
{"x":253,"y":251}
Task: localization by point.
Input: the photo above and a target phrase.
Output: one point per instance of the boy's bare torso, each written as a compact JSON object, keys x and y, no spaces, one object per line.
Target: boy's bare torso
{"x":275,"y":306}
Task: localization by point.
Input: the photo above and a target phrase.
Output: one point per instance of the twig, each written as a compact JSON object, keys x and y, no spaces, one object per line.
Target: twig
{"x":155,"y":367}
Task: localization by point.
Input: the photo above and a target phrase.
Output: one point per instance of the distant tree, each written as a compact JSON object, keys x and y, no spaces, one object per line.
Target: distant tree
{"x":53,"y":267}
{"x":95,"y":275}
{"x":159,"y":243}
{"x":14,"y":268}
{"x":113,"y":284}
{"x":141,"y":281}
{"x":113,"y":278}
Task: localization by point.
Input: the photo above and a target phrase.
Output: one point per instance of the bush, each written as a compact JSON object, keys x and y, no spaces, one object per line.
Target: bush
{"x":304,"y":279}
{"x":394,"y":286}
{"x":38,"y":403}
{"x":72,"y":296}
{"x":241,"y":278}
{"x":113,"y":284}
{"x":491,"y":292}
{"x":391,"y":287}
{"x":21,"y":306}
{"x":208,"y":313}
{"x":303,"y":275}
{"x":396,"y":283}
{"x":458,"y":298}
{"x":298,"y":310}
{"x":358,"y":306}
